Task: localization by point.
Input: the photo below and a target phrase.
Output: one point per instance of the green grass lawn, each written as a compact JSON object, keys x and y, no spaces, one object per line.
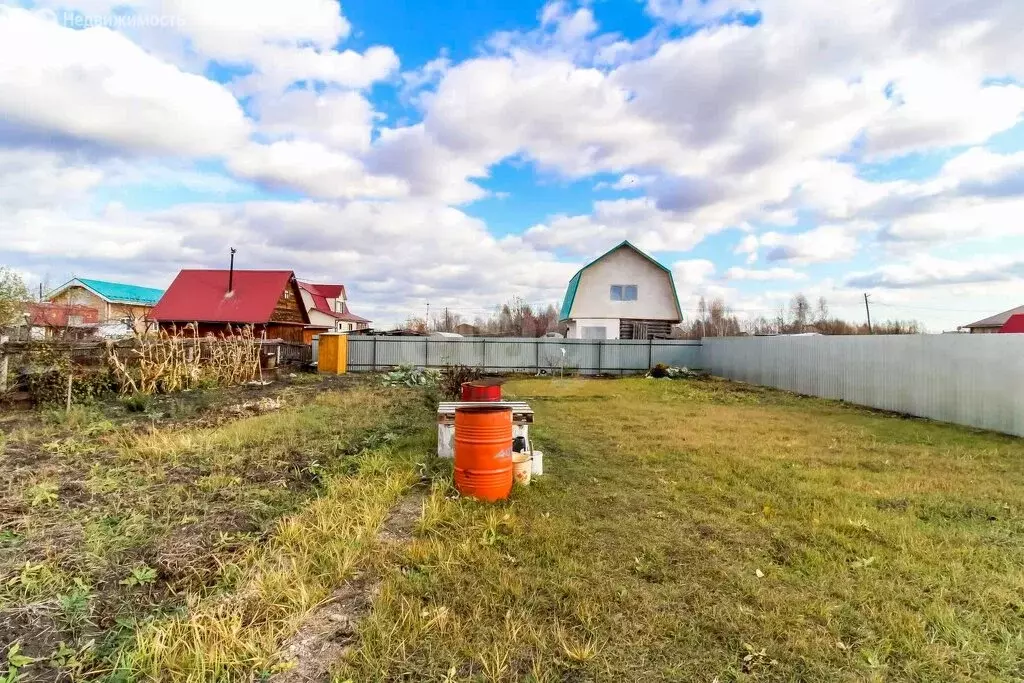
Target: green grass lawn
{"x":702,"y":530}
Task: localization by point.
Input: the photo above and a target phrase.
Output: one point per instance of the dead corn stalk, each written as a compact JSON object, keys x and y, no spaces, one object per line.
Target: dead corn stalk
{"x":178,"y":360}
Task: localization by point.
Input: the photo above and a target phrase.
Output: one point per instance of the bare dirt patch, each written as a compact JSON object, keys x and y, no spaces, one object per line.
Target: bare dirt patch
{"x":330,"y":632}
{"x":398,"y":527}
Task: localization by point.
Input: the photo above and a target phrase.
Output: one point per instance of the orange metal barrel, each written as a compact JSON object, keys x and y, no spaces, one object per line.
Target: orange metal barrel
{"x":483,"y":451}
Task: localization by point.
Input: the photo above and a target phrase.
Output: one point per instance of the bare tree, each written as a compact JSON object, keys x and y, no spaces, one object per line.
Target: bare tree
{"x":445,"y":320}
{"x":415,"y":324}
{"x":780,"y":320}
{"x":139,"y":323}
{"x":761,"y":326}
{"x":821,"y":312}
{"x":721,"y":320}
{"x":713,"y":319}
{"x":799,"y":312}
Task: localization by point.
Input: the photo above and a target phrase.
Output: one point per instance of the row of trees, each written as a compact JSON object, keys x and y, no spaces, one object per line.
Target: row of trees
{"x":716,"y":319}
{"x":713,"y":318}
{"x":514,"y":318}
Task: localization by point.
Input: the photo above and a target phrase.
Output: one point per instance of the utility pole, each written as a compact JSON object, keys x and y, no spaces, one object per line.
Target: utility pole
{"x":868,"y":309}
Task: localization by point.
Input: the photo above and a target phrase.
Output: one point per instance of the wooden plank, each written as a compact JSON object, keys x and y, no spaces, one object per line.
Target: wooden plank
{"x":460,"y":404}
{"x":522,"y":413}
{"x":526,"y":410}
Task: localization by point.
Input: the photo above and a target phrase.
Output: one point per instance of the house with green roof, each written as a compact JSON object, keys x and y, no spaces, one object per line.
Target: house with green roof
{"x":622,"y":294}
{"x":115,"y":301}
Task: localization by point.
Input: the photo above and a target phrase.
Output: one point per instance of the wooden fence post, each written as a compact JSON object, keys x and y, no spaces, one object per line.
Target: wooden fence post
{"x":67,"y":407}
{"x":4,"y":363}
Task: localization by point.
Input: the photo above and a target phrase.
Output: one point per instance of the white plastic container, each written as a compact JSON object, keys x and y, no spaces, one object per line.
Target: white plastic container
{"x":537,"y":464}
{"x":522,"y":468}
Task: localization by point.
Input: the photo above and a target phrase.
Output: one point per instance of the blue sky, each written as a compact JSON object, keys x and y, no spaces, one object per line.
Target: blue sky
{"x":464,"y":153}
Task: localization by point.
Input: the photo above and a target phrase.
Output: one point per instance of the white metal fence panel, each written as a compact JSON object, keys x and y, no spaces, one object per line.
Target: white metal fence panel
{"x":497,"y":354}
{"x":975,"y":380}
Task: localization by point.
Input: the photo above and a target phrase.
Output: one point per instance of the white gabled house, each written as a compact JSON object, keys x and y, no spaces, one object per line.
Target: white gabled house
{"x":624,"y":294}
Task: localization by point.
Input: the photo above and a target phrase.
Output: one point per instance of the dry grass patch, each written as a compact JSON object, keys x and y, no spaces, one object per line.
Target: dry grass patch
{"x":110,"y":530}
{"x":279,"y":583}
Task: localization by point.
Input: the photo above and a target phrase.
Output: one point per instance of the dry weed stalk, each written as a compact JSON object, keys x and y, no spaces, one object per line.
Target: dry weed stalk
{"x":178,"y":360}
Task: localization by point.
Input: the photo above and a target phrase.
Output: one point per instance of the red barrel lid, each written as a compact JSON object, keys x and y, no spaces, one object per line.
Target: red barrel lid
{"x":487,"y":382}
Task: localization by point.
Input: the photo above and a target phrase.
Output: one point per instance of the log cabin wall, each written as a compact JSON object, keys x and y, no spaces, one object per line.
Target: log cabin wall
{"x":289,"y":333}
{"x":289,"y":307}
{"x":644,"y":329}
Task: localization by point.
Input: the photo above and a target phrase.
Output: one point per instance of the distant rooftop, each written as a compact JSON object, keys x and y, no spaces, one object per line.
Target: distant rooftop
{"x":116,"y":292}
{"x":997,"y":320}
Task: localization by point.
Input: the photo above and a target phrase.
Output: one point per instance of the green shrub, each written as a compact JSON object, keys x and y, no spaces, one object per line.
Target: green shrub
{"x":411,"y":376}
{"x":136,"y":403}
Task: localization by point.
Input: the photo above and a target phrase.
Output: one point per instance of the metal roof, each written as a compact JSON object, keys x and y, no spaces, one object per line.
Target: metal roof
{"x":326,"y":291}
{"x":997,"y":320}
{"x":570,"y":295}
{"x":59,"y":315}
{"x":321,"y":293}
{"x":574,"y":283}
{"x":1015,"y":324}
{"x":202,"y":296}
{"x":114,"y":292}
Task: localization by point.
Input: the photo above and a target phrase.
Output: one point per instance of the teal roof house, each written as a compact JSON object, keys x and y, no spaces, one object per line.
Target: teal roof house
{"x":115,"y":301}
{"x":622,"y":294}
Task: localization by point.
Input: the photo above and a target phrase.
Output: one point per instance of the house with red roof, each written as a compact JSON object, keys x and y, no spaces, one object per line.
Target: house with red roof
{"x":221,"y":300}
{"x":48,"y":320}
{"x":1014,"y":324}
{"x":993,"y":323}
{"x":327,"y":306}
{"x":60,"y":316}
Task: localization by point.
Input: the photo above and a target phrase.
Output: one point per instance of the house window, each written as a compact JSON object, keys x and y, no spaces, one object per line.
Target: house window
{"x":594,"y":332}
{"x":623,"y":292}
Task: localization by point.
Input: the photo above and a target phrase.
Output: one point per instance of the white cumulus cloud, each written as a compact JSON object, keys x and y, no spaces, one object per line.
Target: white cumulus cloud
{"x":96,"y":86}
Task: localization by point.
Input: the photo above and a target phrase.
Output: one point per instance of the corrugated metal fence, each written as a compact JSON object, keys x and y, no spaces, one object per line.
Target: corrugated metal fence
{"x":975,"y":380}
{"x":495,"y":354}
